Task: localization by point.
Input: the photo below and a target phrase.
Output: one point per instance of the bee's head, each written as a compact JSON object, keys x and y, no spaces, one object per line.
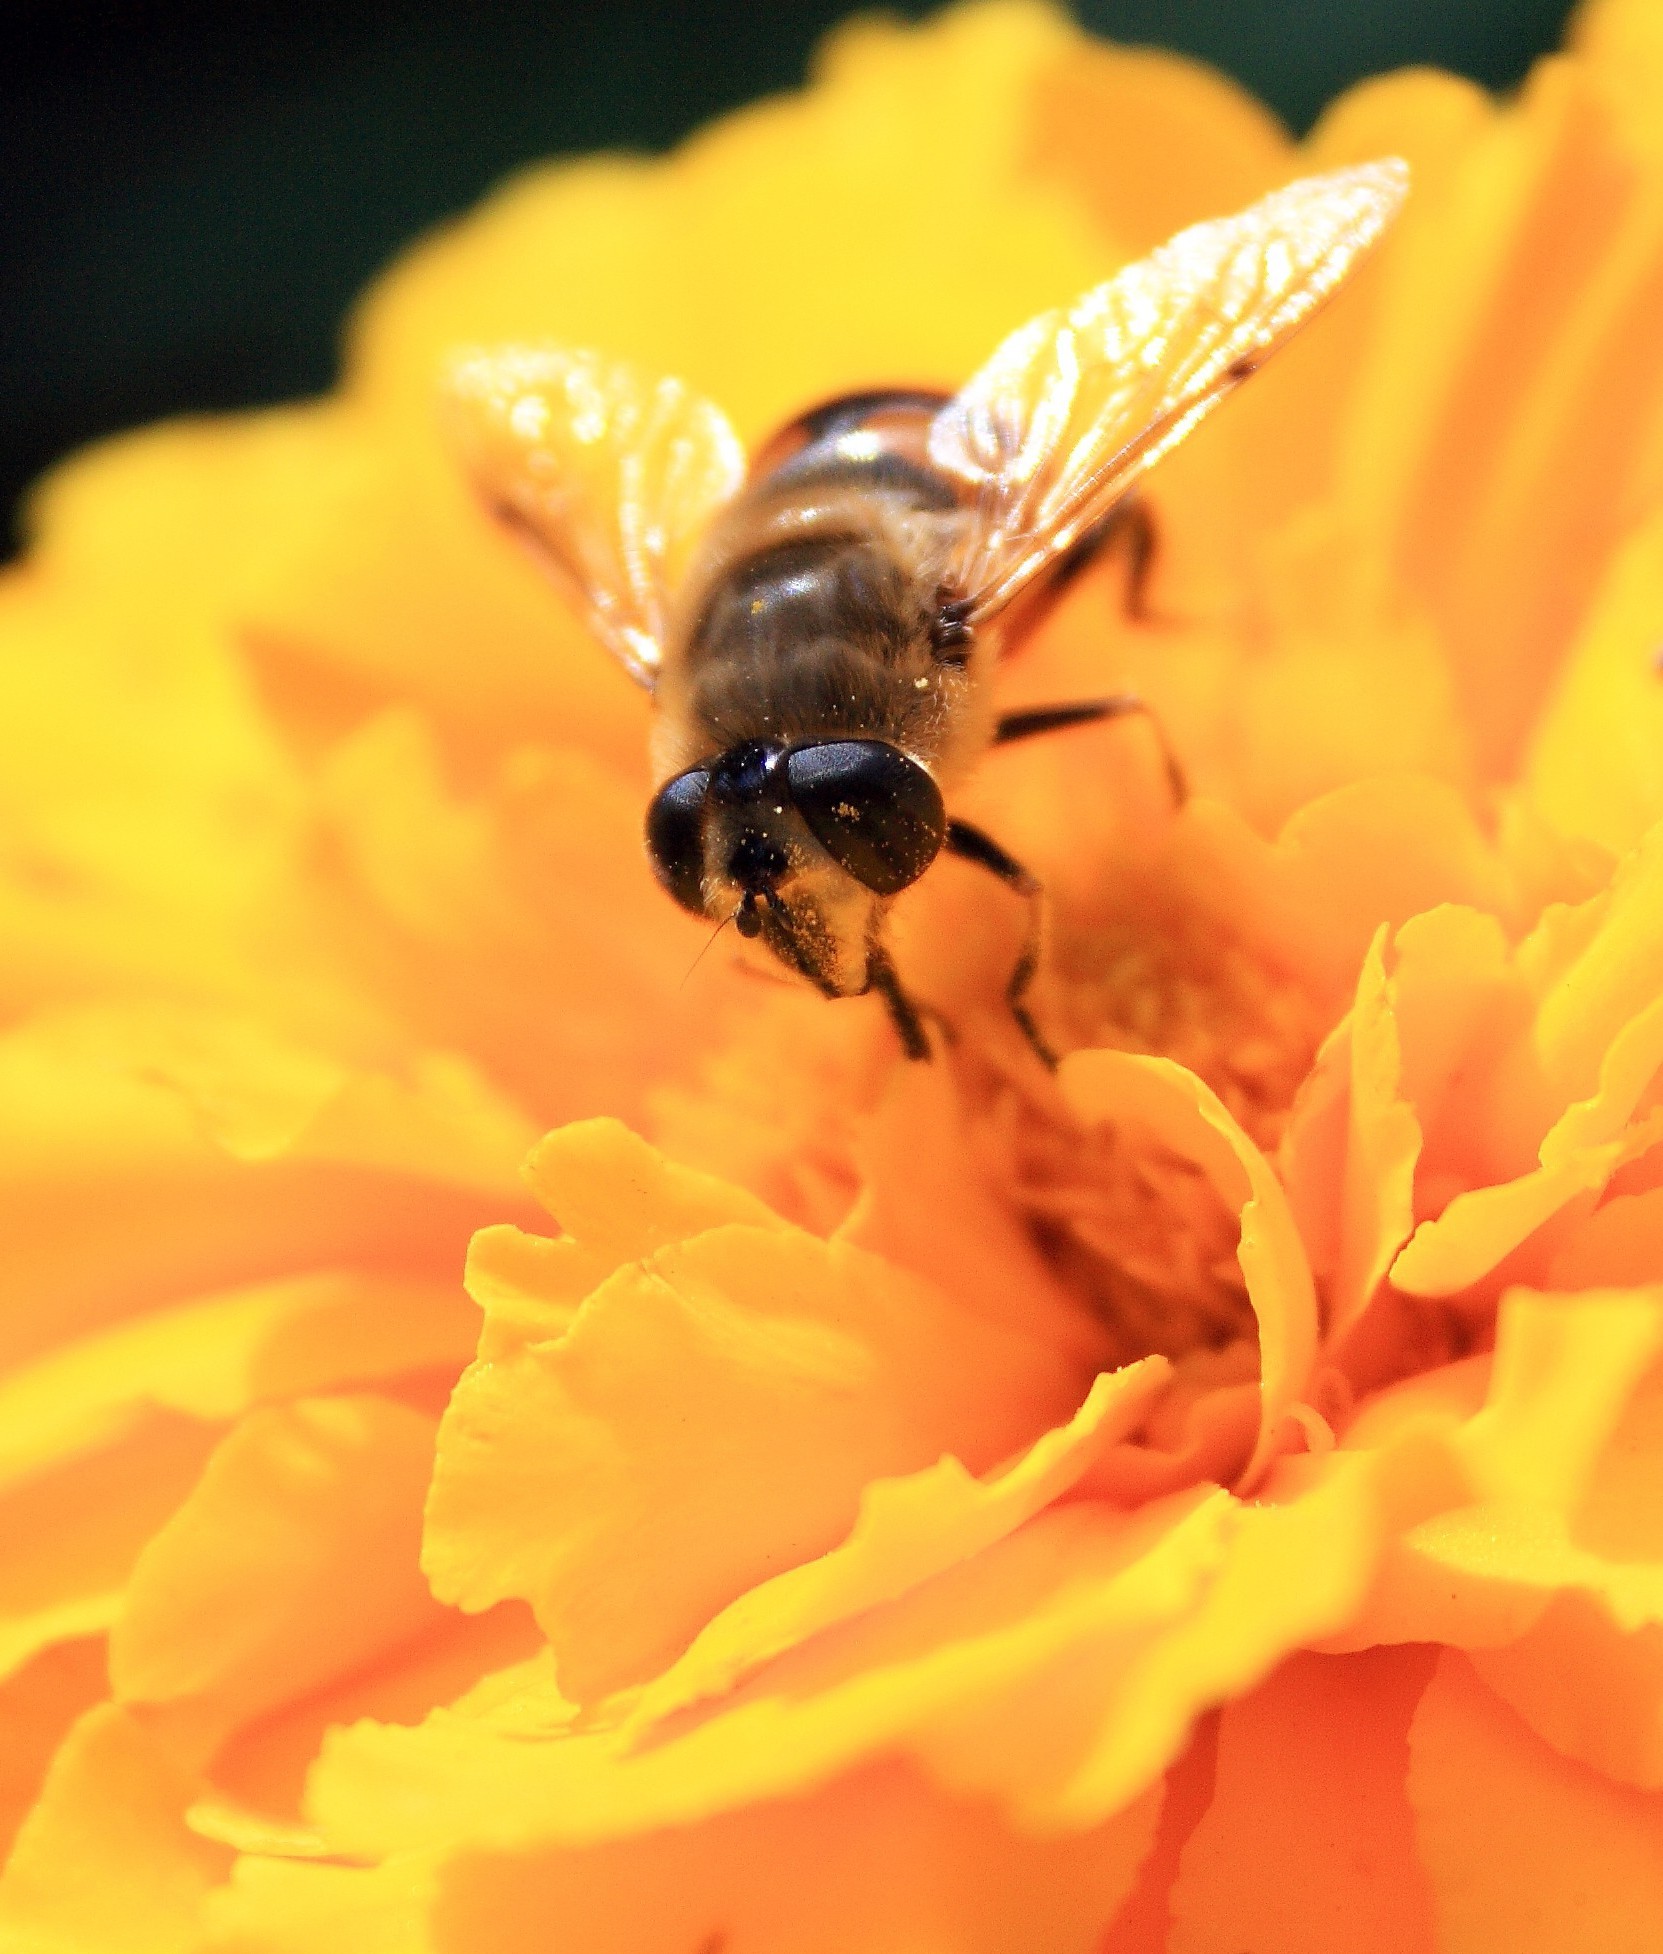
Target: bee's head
{"x":801,"y":846}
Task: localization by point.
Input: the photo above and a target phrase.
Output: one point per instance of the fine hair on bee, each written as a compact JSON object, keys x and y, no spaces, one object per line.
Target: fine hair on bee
{"x":821,"y":625}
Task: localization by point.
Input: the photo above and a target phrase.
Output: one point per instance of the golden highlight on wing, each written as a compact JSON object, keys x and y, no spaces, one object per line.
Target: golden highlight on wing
{"x":1071,"y":409}
{"x":608,"y":473}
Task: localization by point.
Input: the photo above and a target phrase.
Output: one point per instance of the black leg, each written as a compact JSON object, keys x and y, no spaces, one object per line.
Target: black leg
{"x":1130,"y":526}
{"x":971,"y":845}
{"x":903,"y":1013}
{"x":1012,"y":726}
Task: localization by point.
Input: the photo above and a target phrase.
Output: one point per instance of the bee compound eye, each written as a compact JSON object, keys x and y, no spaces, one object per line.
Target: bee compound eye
{"x":875,"y":811}
{"x":675,"y":837}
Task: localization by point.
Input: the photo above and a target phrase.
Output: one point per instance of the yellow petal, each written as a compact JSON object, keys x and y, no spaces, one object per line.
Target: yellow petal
{"x":1481,"y":1568}
{"x":618,"y":1201}
{"x":273,"y":1906}
{"x":1001,"y":1676}
{"x":710,"y":1416}
{"x":104,"y":1860}
{"x":211,"y":1359}
{"x":1593,"y":767}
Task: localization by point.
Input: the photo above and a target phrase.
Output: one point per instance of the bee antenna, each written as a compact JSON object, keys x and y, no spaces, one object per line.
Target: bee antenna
{"x":705,"y":952}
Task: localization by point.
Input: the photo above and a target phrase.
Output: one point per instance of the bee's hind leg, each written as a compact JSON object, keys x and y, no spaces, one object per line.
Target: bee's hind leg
{"x":1128,"y":526}
{"x":972,"y":845}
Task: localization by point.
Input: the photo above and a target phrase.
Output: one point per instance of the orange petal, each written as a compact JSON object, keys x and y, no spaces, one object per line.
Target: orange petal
{"x":213,"y":1358}
{"x":293,"y":1562}
{"x":908,"y":1531}
{"x":1190,"y":142}
{"x":918,"y":1162}
{"x":1524,"y":1848}
{"x":1140,"y":1927}
{"x":81,"y":1134}
{"x":105,"y":1437}
{"x":37,"y":1706}
{"x":74,"y":1530}
{"x":996,"y":1676}
{"x":1377,"y":1209}
{"x":1308,"y":1844}
{"x":1496,"y":439}
{"x":253,"y":1798}
{"x":878,"y":1859}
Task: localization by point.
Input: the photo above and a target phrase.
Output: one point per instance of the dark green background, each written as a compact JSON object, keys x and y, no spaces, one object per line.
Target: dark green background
{"x":191,"y":194}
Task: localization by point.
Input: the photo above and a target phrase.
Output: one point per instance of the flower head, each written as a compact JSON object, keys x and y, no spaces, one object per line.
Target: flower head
{"x":1208,"y":1496}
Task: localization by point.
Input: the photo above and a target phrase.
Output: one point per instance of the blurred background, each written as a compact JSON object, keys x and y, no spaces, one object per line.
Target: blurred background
{"x":191,"y":193}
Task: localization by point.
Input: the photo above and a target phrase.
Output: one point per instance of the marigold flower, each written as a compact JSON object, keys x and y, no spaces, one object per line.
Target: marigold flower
{"x":1209,"y":1498}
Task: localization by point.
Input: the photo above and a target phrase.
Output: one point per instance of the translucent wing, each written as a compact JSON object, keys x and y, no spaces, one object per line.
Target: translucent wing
{"x":608,"y":473}
{"x":1071,"y":410}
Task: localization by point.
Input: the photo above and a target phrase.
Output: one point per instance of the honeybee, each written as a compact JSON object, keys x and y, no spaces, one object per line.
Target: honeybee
{"x":819,"y":628}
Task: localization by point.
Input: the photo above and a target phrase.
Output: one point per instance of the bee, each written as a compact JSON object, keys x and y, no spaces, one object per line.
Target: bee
{"x":820,"y":627}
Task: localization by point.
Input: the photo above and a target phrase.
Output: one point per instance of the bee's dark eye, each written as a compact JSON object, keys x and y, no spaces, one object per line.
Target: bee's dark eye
{"x":675,"y":837}
{"x":874,"y":811}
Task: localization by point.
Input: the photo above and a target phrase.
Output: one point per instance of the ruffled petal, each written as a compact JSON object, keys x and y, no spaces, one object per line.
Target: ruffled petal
{"x":710,"y":1414}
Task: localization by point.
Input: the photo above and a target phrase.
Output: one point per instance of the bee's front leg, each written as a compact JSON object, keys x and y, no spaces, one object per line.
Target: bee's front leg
{"x":972,"y":845}
{"x":1029,"y":724}
{"x":904,"y":1015}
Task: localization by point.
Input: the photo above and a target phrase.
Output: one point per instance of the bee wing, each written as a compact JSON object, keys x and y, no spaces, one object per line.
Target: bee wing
{"x":608,"y":473}
{"x":1072,"y":409}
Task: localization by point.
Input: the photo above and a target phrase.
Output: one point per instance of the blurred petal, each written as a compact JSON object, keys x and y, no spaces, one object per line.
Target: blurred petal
{"x":1522,"y":1847}
{"x":1308,"y":1844}
{"x":293,"y":1562}
{"x":37,"y":1706}
{"x":1608,"y":702}
{"x":104,"y":1860}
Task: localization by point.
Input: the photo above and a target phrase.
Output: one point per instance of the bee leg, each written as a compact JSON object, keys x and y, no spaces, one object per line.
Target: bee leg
{"x":1027,"y":725}
{"x":1131,"y":523}
{"x":971,"y":845}
{"x":903,"y":1013}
